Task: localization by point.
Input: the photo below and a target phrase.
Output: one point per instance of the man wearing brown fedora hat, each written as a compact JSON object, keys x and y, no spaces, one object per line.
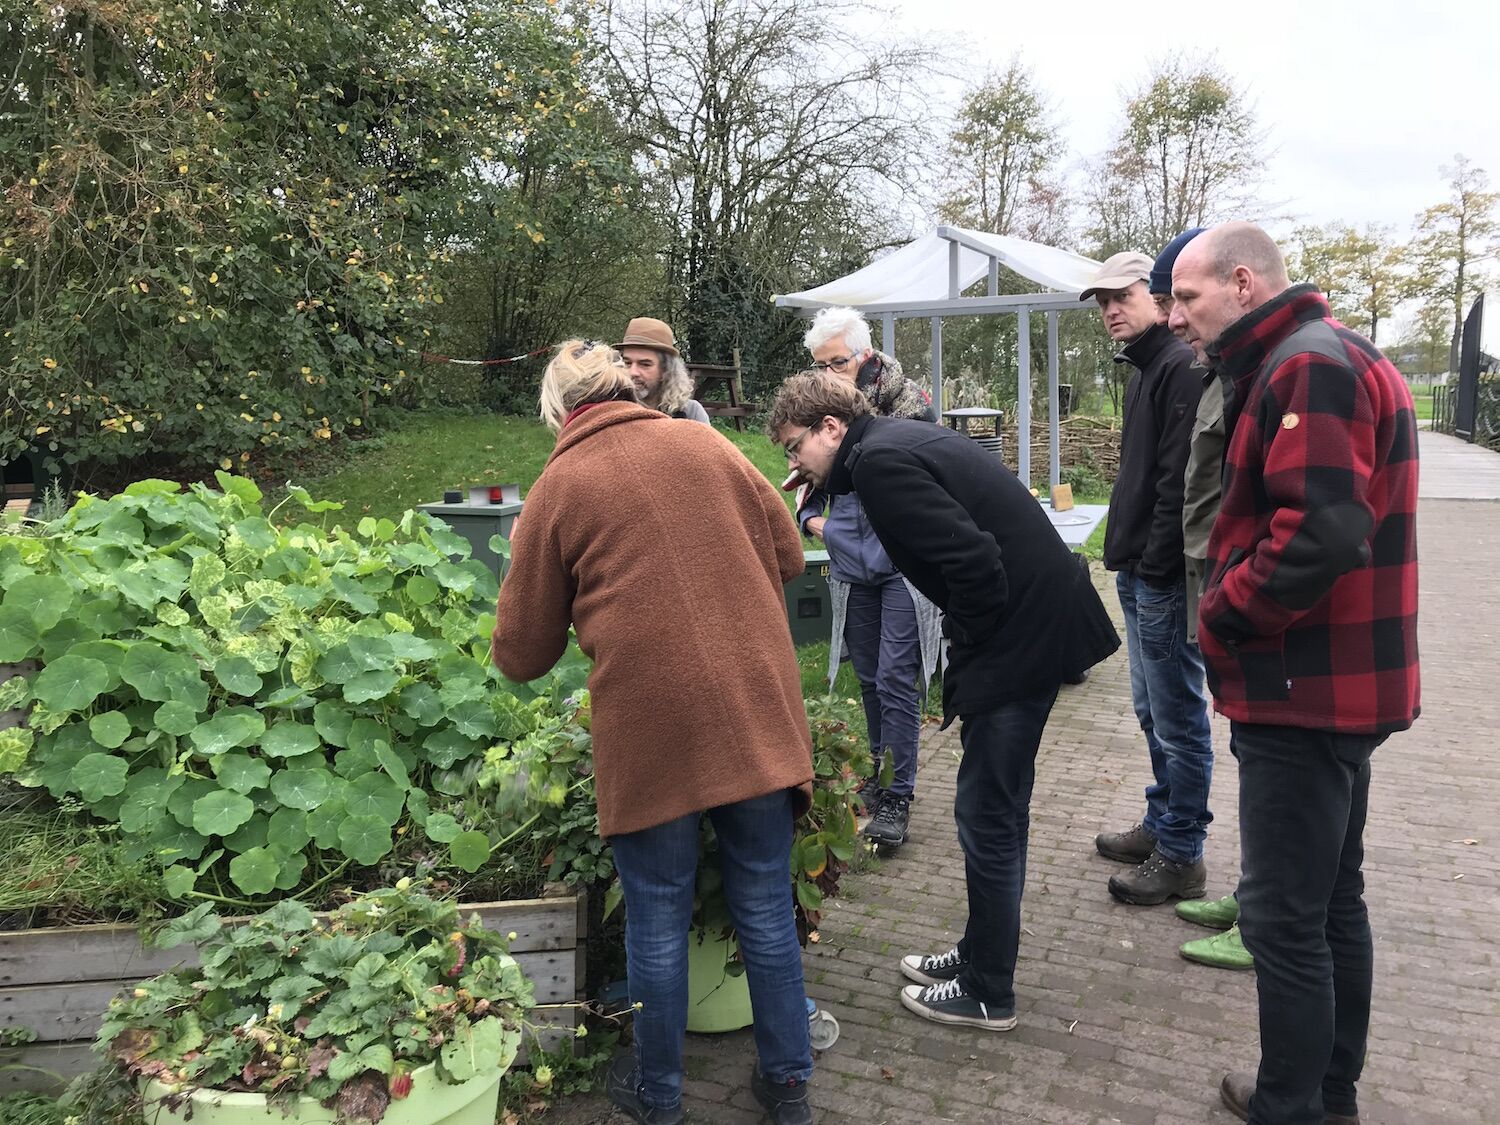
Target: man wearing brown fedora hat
{"x":661,"y":378}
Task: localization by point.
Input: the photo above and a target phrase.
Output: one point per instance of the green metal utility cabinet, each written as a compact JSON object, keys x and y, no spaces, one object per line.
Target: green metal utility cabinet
{"x":808,"y":609}
{"x":476,"y":523}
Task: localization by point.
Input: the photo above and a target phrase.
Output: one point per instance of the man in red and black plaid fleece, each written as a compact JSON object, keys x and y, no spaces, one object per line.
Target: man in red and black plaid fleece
{"x":1308,"y":626}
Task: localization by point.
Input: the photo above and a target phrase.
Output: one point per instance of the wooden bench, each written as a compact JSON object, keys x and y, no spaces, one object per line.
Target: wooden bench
{"x":720,"y":378}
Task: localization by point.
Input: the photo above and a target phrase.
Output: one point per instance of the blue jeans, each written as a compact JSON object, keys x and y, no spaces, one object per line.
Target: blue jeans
{"x":1303,"y":797}
{"x":993,"y":809}
{"x":1166,"y":686}
{"x":880,"y":627}
{"x":658,"y":869}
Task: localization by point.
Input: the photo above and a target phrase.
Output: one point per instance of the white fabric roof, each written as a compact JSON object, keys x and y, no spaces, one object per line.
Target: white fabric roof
{"x":918,"y":272}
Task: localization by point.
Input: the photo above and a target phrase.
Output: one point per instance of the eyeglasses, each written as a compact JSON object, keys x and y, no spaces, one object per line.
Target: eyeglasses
{"x":835,"y":364}
{"x":791,"y":446}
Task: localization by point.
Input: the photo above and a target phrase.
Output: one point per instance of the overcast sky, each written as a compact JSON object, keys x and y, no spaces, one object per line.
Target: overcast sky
{"x":1363,"y":100}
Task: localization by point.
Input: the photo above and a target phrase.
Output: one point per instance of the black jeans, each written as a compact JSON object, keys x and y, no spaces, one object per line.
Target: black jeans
{"x":1303,"y":798}
{"x":993,"y":811}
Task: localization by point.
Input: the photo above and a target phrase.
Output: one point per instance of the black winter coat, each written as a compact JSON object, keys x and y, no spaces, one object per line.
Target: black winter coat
{"x":1145,"y":506}
{"x":1020,"y":613}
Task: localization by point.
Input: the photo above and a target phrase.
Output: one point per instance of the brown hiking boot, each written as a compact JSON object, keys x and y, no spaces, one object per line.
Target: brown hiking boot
{"x":1238,"y":1088}
{"x":1159,"y":879}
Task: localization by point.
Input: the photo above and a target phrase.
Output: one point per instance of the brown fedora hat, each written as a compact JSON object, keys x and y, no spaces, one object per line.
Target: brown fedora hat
{"x":648,"y":332}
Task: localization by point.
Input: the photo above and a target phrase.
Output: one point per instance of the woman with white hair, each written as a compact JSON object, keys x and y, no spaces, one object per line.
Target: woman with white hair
{"x":655,"y":365}
{"x":890,"y":630}
{"x":696,"y":704}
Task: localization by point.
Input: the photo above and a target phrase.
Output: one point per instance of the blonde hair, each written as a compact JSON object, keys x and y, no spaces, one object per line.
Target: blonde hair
{"x":582,"y":371}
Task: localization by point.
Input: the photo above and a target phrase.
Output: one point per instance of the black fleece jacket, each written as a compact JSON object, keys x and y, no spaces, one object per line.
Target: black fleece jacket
{"x":1145,"y":508}
{"x":1021,"y":616}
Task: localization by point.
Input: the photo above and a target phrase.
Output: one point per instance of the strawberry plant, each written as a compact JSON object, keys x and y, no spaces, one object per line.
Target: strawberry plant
{"x":342,"y":1009}
{"x":259,"y":707}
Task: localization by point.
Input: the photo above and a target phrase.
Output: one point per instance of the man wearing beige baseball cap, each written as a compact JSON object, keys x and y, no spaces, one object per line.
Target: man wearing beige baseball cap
{"x":1143,"y":546}
{"x":661,"y":378}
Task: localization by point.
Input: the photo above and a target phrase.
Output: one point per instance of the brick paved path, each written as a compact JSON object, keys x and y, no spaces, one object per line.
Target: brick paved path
{"x":1115,"y":1027}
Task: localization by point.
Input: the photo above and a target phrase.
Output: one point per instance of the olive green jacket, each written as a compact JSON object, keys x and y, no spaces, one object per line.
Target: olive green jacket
{"x":1201,"y":487}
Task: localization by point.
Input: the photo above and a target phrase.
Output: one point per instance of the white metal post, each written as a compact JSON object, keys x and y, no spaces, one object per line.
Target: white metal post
{"x":937,"y":366}
{"x":1054,"y":439}
{"x":1023,"y":395}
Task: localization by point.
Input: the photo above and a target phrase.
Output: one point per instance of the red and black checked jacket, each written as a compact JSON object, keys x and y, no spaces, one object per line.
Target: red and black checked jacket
{"x":1309,"y":618}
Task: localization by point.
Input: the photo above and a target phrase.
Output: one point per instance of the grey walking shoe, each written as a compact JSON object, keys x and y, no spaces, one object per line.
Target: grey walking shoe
{"x":1159,"y":879}
{"x":1134,"y":845}
{"x":888,"y":825}
{"x":622,"y":1085}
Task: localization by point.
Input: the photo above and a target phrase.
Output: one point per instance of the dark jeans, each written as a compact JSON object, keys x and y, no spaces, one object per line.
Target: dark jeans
{"x":1166,"y":686}
{"x":993,"y":811}
{"x":880,"y":627}
{"x":1303,"y":797}
{"x":658,"y":868}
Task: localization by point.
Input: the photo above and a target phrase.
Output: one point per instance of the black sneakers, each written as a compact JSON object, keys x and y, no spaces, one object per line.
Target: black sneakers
{"x":1134,"y":845}
{"x":888,"y":825}
{"x":785,"y":1102}
{"x":949,"y":1003}
{"x":934,"y":968}
{"x":1158,"y":879}
{"x":623,"y":1087}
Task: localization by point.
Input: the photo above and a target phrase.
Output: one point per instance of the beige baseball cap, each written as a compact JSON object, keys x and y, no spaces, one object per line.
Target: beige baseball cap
{"x":1120,"y":271}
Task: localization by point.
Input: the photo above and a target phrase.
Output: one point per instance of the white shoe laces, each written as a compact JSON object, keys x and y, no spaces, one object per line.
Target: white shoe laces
{"x":948,"y":960}
{"x":939,"y":993}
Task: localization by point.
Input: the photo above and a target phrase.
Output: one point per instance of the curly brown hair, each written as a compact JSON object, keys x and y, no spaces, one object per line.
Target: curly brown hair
{"x":808,"y":397}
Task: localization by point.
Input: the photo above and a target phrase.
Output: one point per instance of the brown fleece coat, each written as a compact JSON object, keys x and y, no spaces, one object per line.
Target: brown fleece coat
{"x":667,"y":551}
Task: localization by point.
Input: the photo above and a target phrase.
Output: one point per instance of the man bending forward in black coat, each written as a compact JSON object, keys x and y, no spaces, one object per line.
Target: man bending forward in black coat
{"x":1021,"y":618}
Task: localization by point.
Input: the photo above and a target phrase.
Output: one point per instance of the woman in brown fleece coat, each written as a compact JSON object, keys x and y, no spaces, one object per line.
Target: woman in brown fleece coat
{"x":667,"y":551}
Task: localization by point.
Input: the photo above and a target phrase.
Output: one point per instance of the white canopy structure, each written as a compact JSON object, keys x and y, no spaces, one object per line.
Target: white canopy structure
{"x":926,"y":278}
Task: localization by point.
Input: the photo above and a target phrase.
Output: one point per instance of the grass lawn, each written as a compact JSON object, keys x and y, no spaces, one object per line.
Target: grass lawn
{"x":413,"y":461}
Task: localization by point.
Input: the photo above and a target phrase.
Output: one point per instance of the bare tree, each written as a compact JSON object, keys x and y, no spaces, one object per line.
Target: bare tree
{"x":779,"y":140}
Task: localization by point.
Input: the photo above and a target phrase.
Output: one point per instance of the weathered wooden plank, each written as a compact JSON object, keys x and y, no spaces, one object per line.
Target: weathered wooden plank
{"x":113,"y":952}
{"x":61,"y":1012}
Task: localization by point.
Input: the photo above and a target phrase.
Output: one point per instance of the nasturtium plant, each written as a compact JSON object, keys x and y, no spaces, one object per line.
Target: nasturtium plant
{"x":258,"y":699}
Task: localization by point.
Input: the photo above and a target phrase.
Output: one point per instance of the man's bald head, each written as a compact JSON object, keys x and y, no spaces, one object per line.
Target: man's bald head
{"x":1245,"y":244}
{"x":1220,"y":276}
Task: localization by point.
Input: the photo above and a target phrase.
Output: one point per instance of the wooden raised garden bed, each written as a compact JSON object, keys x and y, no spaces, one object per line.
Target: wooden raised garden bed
{"x":56,"y":983}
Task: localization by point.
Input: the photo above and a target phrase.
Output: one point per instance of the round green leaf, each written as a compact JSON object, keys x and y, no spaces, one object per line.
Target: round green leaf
{"x":221,"y":812}
{"x":149,"y":669}
{"x":422,"y":704}
{"x":70,"y":683}
{"x":241,"y":772}
{"x":470,"y":850}
{"x":302,"y":789}
{"x":97,"y":776}
{"x":365,"y":733}
{"x":369,"y":686}
{"x":236,"y":726}
{"x":19,"y":635}
{"x":45,"y":598}
{"x":332,"y":721}
{"x":178,"y":880}
{"x":237,"y":675}
{"x":373,"y":653}
{"x":421,"y":590}
{"x":287,"y":740}
{"x":255,"y":871}
{"x":289,"y":829}
{"x":338,"y":665}
{"x":176,"y":718}
{"x":256,"y":534}
{"x":110,"y":729}
{"x":374,"y":795}
{"x":365,"y":839}
{"x":292,"y":866}
{"x":442,"y":828}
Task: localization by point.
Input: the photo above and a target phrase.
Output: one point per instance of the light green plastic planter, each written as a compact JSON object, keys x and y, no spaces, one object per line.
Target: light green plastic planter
{"x":718,"y":1000}
{"x":431,"y":1102}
